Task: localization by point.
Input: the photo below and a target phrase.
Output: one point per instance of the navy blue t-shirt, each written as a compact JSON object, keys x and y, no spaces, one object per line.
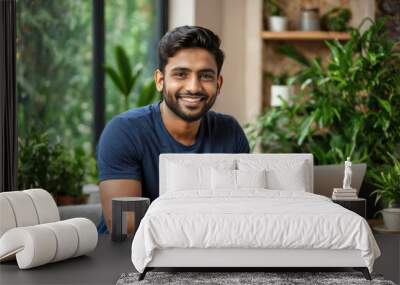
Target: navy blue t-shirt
{"x":131,"y":143}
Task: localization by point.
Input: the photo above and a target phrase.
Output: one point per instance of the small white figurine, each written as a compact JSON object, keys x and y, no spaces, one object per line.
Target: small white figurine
{"x":347,"y":174}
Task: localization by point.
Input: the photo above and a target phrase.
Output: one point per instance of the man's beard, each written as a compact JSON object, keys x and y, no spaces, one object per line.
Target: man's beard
{"x":177,"y":109}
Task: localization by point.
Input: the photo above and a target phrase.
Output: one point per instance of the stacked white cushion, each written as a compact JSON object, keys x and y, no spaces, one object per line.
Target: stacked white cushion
{"x":27,"y":208}
{"x":41,"y":244}
{"x":31,"y":230}
{"x":7,"y":218}
{"x":23,"y":208}
{"x":45,"y":205}
{"x":87,"y":234}
{"x":282,"y":174}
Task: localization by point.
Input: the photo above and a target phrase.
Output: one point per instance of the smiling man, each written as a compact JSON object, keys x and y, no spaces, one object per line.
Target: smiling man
{"x":190,"y":62}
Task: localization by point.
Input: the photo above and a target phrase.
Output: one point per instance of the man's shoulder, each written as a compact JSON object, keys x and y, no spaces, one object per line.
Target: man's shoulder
{"x":220,"y":119}
{"x":133,"y":123}
{"x":136,"y":114}
{"x":138,"y":118}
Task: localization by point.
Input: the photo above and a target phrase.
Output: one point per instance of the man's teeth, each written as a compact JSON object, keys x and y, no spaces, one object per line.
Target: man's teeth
{"x":192,"y":99}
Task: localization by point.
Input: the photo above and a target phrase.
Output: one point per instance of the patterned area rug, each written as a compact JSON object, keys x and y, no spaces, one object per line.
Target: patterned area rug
{"x":273,"y":278}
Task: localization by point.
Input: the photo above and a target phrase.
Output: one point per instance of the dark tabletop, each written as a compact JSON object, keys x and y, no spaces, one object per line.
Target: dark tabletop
{"x":104,"y":265}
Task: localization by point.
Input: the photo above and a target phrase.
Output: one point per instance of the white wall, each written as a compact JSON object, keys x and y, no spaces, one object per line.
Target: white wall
{"x":181,"y":12}
{"x":238,"y":23}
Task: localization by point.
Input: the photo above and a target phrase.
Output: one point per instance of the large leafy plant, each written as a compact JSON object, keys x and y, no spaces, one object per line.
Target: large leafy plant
{"x":350,"y":107}
{"x":125,"y":78}
{"x":50,"y":165}
{"x":386,"y":181}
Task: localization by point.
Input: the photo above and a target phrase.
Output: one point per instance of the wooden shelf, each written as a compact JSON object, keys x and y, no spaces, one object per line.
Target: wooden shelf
{"x":307,"y":36}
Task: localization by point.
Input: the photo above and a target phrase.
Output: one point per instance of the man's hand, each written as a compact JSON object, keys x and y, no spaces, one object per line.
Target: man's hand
{"x":118,"y":188}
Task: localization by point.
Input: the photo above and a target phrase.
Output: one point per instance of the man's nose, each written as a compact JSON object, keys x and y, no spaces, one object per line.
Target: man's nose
{"x":193,"y":85}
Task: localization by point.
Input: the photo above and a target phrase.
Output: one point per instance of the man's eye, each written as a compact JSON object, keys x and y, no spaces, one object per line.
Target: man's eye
{"x":207,"y":76}
{"x":180,"y":74}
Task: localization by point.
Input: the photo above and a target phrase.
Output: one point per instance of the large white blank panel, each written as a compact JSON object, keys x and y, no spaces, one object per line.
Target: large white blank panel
{"x":67,"y":240}
{"x":45,"y":205}
{"x":7,"y":218}
{"x":87,"y":234}
{"x":24,"y":210}
{"x":33,"y":246}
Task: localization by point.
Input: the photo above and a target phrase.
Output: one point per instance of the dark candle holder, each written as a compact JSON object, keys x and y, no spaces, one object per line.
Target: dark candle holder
{"x":120,"y":207}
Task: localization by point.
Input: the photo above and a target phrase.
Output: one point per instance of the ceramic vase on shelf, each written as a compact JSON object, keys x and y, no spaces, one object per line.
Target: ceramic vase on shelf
{"x":279,"y":92}
{"x":309,"y":19}
{"x":277,"y":23}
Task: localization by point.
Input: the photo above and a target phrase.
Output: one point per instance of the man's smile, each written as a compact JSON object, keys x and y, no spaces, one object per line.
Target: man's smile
{"x":191,"y":101}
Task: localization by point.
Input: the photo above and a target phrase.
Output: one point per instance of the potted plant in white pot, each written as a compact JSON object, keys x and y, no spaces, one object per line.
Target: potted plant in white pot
{"x":280,"y":88}
{"x":277,"y":22}
{"x":387,"y":183}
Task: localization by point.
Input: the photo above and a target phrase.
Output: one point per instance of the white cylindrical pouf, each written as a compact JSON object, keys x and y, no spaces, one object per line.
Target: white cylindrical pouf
{"x":23,"y":208}
{"x":87,"y":234}
{"x":67,"y":240}
{"x":7,"y":218}
{"x":45,"y":205}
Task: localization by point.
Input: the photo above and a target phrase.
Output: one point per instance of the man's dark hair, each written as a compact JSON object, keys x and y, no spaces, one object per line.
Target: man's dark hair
{"x":189,"y":37}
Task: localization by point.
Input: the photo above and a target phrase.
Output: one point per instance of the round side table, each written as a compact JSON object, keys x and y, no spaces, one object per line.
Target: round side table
{"x":120,"y":206}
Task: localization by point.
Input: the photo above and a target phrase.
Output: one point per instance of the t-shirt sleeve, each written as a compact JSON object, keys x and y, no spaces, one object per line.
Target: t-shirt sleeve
{"x":118,"y":152}
{"x":242,"y":144}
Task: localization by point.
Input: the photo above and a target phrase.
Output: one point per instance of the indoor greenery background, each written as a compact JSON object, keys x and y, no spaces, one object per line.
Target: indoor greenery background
{"x":54,"y":84}
{"x":351,"y":107}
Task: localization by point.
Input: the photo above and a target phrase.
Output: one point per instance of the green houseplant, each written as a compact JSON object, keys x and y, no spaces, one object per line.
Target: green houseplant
{"x":350,"y":107}
{"x":50,"y":165}
{"x":280,"y":88}
{"x":277,"y":22}
{"x":387,"y":184}
{"x":125,"y":78}
{"x":336,"y":19}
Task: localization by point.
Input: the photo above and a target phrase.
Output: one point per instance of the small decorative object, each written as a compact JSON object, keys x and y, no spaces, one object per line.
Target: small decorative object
{"x":310,"y":19}
{"x":336,"y":19}
{"x":277,"y":22}
{"x":120,"y":207}
{"x":387,"y":183}
{"x":346,"y":192}
{"x":347,"y":174}
{"x":280,"y":88}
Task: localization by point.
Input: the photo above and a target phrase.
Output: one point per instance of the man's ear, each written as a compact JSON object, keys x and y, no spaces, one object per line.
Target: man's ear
{"x":159,"y":80}
{"x":220,"y":80}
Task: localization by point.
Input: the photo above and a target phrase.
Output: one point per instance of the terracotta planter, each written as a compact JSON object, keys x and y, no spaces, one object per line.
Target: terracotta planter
{"x":63,"y":200}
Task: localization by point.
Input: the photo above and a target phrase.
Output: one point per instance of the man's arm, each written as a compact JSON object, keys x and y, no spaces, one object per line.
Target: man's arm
{"x":118,"y":188}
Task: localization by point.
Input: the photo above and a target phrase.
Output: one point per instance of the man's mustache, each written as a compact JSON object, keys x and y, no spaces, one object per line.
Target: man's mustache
{"x":193,"y":95}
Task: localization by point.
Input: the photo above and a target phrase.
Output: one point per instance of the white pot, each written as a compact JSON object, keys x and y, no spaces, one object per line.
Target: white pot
{"x":277,"y":23}
{"x":391,"y":218}
{"x":93,"y":191}
{"x":278,"y":92}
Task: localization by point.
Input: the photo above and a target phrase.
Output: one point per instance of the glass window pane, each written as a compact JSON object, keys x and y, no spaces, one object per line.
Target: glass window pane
{"x":130,"y":24}
{"x":54,"y":73}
